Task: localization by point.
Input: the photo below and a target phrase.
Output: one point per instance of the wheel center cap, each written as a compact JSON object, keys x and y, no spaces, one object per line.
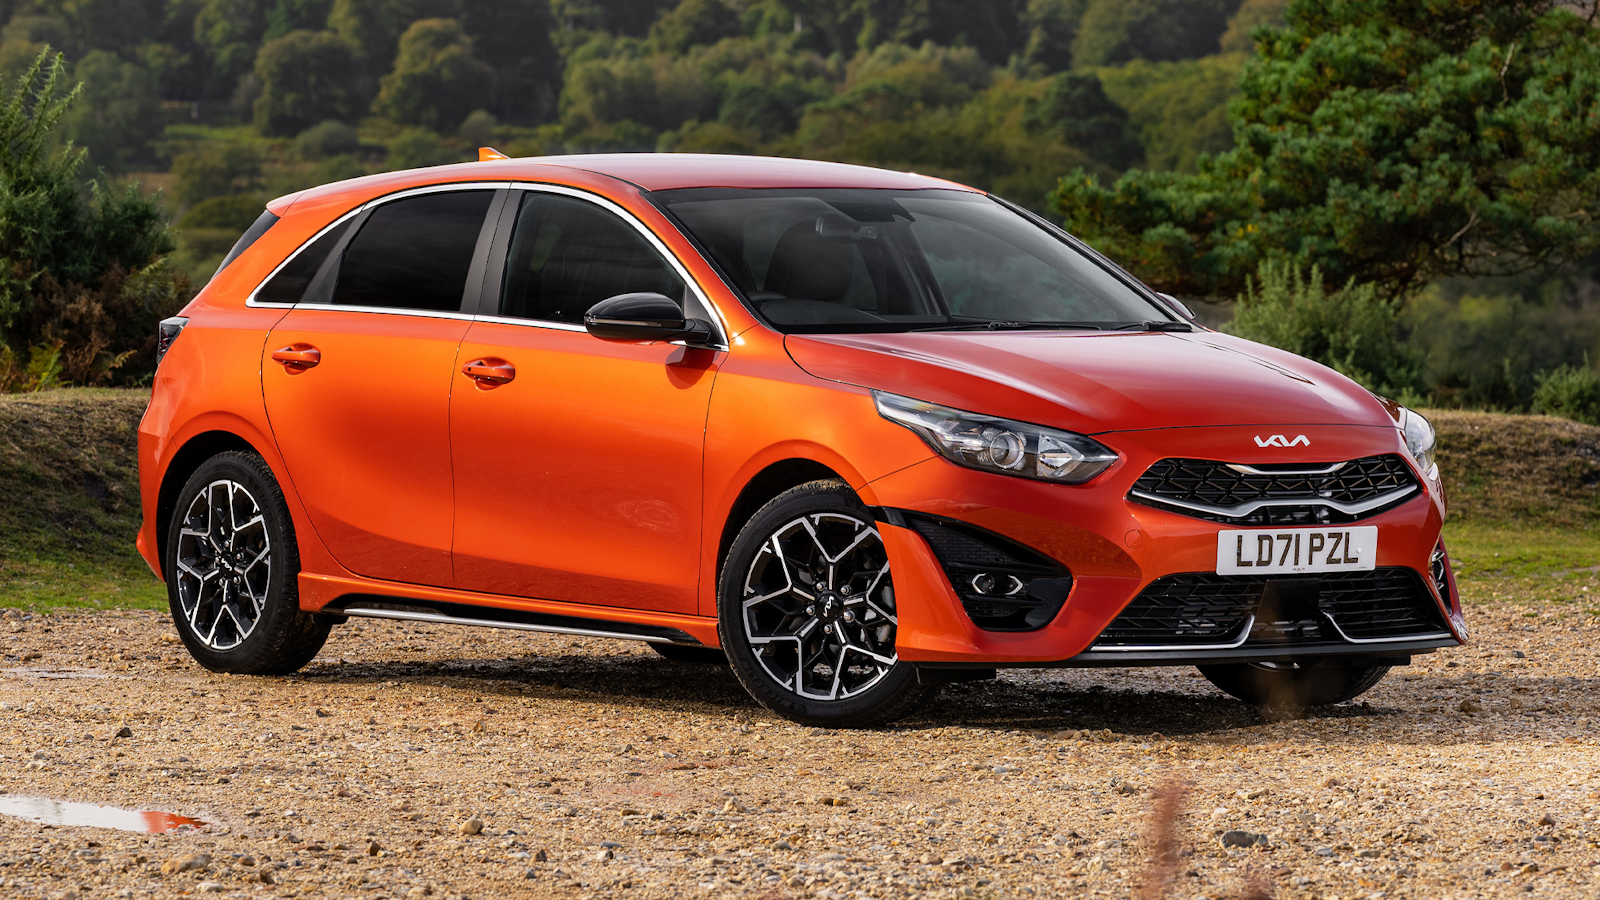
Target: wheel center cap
{"x":829,"y":606}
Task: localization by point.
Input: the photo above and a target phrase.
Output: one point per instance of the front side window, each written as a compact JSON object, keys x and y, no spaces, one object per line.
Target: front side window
{"x":879,"y":260}
{"x":414,"y":253}
{"x":567,"y":254}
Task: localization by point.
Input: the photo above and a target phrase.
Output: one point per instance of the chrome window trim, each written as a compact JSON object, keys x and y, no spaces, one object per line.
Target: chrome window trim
{"x":1248,"y":507}
{"x":252,"y":303}
{"x":719,"y":323}
{"x":531,"y":323}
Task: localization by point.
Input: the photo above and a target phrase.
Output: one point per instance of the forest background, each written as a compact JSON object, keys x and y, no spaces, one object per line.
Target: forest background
{"x":1399,"y":189}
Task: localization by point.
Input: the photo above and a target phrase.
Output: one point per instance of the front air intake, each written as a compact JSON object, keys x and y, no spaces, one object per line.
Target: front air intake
{"x":1003,"y":585}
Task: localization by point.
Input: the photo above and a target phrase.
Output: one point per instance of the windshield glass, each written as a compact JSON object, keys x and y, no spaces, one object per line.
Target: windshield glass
{"x":876,"y":260}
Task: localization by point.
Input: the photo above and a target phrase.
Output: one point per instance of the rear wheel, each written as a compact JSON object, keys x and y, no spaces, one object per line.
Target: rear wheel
{"x":1293,"y":684}
{"x":231,"y":565}
{"x":807,"y":614}
{"x":683,"y":653}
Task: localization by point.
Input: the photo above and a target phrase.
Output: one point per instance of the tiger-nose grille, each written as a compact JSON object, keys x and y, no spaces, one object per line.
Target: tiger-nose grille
{"x":1277,"y":494}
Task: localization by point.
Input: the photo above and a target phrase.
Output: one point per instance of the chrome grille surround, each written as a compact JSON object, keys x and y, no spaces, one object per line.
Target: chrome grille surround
{"x":1277,"y":494}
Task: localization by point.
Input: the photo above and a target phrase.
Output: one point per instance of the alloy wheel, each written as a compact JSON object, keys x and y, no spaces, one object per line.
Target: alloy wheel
{"x":818,"y":607}
{"x":224,"y":562}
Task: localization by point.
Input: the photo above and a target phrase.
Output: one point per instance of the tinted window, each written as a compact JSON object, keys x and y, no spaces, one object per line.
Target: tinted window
{"x":250,"y":236}
{"x":414,"y":253}
{"x":291,"y":281}
{"x":567,"y":255}
{"x":878,"y":260}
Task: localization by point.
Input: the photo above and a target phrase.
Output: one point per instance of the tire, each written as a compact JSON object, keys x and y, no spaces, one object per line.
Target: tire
{"x":683,"y":653}
{"x":772,"y":620}
{"x":232,"y":587}
{"x":1289,"y":684}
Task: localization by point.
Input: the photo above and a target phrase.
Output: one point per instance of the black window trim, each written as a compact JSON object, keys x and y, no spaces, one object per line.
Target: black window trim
{"x":494,"y":273}
{"x":322,"y":285}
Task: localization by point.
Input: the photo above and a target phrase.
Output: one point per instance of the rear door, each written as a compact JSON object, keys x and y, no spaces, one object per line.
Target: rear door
{"x":357,"y":376}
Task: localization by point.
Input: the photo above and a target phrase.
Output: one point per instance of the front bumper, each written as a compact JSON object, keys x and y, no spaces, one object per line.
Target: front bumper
{"x":1115,"y":549}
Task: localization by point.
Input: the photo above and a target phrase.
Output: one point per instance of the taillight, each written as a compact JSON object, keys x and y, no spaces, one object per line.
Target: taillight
{"x":166,"y":333}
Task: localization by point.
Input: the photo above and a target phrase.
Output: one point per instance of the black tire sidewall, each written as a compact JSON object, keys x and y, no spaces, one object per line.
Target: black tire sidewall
{"x":894,"y":695}
{"x":1322,"y":684}
{"x":280,"y":637}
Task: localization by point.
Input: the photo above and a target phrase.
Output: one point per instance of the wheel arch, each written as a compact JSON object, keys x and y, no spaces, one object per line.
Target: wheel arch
{"x":189,"y":458}
{"x":766,"y":484}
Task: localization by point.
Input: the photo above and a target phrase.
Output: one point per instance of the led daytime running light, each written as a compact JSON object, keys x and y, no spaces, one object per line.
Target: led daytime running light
{"x":999,"y":445}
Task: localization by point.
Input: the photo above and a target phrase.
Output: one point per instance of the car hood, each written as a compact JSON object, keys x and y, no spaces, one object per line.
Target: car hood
{"x":1096,"y":382}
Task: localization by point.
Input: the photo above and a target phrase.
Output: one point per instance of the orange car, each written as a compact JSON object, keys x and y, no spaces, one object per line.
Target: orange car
{"x":857,"y":432}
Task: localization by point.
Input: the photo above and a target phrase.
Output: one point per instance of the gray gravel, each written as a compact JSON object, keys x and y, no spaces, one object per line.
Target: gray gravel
{"x":419,"y":762}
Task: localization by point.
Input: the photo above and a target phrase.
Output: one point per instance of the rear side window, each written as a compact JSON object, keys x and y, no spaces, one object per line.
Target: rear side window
{"x":414,"y":253}
{"x":250,"y":236}
{"x":290,"y":283}
{"x":567,"y":255}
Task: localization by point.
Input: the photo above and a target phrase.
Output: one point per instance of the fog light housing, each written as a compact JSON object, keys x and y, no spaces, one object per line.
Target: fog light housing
{"x":1003,"y":585}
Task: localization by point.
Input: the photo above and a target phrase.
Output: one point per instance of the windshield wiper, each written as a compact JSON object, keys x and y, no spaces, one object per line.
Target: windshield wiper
{"x":1014,"y":326}
{"x":1156,"y":326}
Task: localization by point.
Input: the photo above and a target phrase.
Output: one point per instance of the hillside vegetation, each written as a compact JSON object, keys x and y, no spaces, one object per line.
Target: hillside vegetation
{"x":1524,"y":491}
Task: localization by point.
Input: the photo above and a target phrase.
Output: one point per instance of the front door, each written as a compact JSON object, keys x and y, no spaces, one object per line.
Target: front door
{"x":357,"y":380}
{"x":577,"y":461}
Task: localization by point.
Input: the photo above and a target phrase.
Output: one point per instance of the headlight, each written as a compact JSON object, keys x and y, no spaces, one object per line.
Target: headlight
{"x":1420,"y":440}
{"x":999,"y":445}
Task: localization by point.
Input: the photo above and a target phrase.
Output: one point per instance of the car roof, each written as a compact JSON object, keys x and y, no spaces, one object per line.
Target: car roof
{"x":669,"y":171}
{"x":648,"y":171}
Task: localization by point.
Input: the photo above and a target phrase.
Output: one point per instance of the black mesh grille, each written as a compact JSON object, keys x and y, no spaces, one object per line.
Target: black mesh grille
{"x":1216,"y":484}
{"x":1203,"y":608}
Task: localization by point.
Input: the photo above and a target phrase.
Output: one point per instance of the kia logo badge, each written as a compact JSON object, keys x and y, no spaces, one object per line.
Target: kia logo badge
{"x":1279,"y":440}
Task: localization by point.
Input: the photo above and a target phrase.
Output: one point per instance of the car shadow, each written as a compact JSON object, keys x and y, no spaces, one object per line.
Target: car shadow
{"x":1045,"y":705}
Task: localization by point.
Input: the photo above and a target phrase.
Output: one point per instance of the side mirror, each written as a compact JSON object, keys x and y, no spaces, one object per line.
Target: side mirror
{"x":1177,"y":304}
{"x":641,"y":319}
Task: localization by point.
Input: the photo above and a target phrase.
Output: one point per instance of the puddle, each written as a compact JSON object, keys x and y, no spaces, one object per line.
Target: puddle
{"x":60,"y":812}
{"x":30,"y":672}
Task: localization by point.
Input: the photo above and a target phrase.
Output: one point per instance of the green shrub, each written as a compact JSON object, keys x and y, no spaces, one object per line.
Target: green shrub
{"x":1350,"y":329}
{"x":235,"y":213}
{"x":82,"y":272}
{"x":1571,"y":392}
{"x":418,"y":147}
{"x":330,"y":138}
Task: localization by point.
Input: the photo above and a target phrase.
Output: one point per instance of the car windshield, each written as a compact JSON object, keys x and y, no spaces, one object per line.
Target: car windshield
{"x":832,"y":261}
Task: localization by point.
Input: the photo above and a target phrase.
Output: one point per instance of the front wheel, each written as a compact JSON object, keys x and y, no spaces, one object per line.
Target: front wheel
{"x":807,"y":615}
{"x":1293,"y":684}
{"x":231,"y":564}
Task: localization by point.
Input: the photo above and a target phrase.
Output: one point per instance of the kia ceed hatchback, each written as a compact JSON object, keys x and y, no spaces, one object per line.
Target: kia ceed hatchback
{"x":855,"y":432}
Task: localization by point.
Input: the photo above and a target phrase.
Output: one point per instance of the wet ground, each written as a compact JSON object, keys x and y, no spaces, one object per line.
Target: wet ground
{"x":424,"y":761}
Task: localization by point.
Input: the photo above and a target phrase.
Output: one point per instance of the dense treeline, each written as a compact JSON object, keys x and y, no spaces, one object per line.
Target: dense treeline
{"x":1220,"y":148}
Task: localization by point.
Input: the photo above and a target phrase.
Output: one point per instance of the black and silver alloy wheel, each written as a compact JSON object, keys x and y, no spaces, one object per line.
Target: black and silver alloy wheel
{"x":819,"y":607}
{"x":808,"y":615}
{"x":224,"y":565}
{"x":232,"y":567}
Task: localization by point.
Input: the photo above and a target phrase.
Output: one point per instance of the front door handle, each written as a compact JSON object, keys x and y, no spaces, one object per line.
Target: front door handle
{"x":297,"y":358}
{"x":488,"y":374}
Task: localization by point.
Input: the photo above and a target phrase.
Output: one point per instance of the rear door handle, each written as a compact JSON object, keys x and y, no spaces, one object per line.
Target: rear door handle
{"x":489,"y":373}
{"x":297,"y":358}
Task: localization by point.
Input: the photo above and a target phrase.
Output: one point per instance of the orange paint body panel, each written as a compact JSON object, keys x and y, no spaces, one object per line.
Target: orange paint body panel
{"x":460,"y":460}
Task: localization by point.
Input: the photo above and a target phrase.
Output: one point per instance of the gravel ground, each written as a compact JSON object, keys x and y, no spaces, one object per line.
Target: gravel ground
{"x":426,"y":761}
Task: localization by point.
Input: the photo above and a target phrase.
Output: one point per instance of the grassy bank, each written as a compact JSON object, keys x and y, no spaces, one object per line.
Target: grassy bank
{"x":69,"y":501}
{"x":1524,"y":493}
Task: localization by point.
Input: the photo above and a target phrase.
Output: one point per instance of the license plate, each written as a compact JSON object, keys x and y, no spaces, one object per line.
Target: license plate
{"x":1295,"y":551}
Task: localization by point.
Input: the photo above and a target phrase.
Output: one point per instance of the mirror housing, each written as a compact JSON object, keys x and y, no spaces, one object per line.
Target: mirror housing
{"x":1182,"y":307}
{"x":642,"y":319}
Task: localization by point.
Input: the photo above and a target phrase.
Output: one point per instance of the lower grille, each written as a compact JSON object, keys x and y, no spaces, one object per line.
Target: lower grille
{"x":1003,"y":585}
{"x":1206,"y":610}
